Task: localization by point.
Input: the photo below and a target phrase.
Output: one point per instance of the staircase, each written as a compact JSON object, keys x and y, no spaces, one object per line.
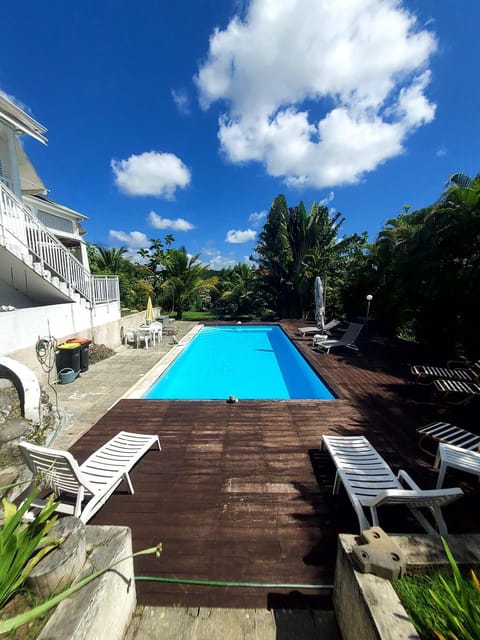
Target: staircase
{"x":32,"y":249}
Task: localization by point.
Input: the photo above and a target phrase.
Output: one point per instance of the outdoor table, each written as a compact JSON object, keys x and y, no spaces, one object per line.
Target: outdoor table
{"x":155,"y":329}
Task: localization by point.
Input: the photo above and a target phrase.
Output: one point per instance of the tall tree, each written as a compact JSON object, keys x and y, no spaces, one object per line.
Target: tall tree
{"x":293,"y":248}
{"x":273,"y":256}
{"x":429,"y":263}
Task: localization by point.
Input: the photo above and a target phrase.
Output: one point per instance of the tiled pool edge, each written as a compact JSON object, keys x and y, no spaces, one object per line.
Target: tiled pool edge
{"x":138,"y":390}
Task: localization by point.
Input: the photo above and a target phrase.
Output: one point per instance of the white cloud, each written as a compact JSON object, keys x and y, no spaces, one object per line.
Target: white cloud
{"x":237,"y":237}
{"x":221,"y":262}
{"x":215,"y":260}
{"x":151,"y":174}
{"x":257,"y":218}
{"x":158,"y":222}
{"x":441,"y":152}
{"x":328,"y":198}
{"x":362,"y":65}
{"x":133,"y":239}
{"x":181,"y":100}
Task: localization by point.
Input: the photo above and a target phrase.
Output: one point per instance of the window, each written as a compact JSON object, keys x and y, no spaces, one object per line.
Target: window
{"x":55,"y":222}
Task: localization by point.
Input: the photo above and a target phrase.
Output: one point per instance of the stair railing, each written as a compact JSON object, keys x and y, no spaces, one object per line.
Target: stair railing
{"x":23,"y":234}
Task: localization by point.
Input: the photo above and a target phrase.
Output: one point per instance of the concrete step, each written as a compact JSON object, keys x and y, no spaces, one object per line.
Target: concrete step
{"x":218,"y":624}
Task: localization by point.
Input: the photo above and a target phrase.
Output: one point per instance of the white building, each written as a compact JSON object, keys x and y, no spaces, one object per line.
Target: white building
{"x":46,"y":288}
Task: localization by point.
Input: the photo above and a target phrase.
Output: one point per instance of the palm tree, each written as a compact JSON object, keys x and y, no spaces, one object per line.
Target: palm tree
{"x":242,"y":290}
{"x":463,"y":189}
{"x":185,"y":276}
{"x":111,"y":260}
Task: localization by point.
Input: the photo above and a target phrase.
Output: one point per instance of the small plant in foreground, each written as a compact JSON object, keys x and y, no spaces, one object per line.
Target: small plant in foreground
{"x":459,"y":603}
{"x":443,"y":607}
{"x":23,"y":544}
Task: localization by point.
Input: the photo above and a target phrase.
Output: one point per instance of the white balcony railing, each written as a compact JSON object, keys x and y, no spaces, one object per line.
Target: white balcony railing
{"x":26,"y":237}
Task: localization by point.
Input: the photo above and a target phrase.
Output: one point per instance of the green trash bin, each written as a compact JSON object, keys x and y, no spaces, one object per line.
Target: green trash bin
{"x":68,"y":357}
{"x":84,"y":347}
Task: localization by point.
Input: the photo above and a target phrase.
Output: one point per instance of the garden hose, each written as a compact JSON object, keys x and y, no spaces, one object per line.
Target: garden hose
{"x":46,"y":349}
{"x":229,"y":583}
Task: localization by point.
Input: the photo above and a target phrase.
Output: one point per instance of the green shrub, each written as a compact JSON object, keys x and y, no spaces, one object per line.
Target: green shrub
{"x":443,"y":607}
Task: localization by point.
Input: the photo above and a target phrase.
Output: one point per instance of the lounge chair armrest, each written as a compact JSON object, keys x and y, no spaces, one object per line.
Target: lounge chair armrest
{"x":423,"y":497}
{"x":404,"y":477}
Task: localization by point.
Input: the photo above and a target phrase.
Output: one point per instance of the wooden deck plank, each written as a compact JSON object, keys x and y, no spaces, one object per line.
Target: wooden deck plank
{"x":242,"y":492}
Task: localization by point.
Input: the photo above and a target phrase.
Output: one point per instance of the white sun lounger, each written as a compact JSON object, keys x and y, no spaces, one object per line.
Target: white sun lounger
{"x":346,"y":340}
{"x":466,"y":391}
{"x":370,"y":482}
{"x":422,"y":372}
{"x":93,"y":482}
{"x":316,"y":329}
{"x":448,"y":433}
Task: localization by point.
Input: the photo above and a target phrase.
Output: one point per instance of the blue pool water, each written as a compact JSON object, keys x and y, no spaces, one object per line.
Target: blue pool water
{"x":250,"y":363}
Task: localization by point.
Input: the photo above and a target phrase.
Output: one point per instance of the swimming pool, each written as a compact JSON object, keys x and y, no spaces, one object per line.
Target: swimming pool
{"x":249,"y":362}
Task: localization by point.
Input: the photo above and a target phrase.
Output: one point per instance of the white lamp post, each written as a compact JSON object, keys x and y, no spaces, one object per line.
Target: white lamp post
{"x":369,"y":299}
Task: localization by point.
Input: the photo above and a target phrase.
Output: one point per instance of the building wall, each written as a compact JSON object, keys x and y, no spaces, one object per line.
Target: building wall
{"x":21,"y":329}
{"x":12,"y":297}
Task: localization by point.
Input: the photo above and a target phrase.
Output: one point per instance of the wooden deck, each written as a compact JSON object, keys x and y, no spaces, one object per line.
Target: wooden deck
{"x":241,"y":492}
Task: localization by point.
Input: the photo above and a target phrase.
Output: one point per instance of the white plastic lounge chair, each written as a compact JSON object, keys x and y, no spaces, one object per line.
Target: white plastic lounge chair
{"x":370,"y":482}
{"x":456,"y":458}
{"x":464,"y":390}
{"x":316,"y":329}
{"x":426,"y":372}
{"x":90,"y":484}
{"x":346,"y":340}
{"x":448,"y":433}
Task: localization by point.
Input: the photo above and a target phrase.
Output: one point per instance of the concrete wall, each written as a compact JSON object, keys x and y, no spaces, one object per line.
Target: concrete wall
{"x":10,"y":296}
{"x":21,"y":329}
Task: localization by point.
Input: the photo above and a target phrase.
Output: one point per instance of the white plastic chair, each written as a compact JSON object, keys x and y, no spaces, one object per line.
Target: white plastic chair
{"x":90,"y":484}
{"x":456,"y":458}
{"x":370,"y":483}
{"x":316,"y":329}
{"x":144,"y":335}
{"x":129,"y":337}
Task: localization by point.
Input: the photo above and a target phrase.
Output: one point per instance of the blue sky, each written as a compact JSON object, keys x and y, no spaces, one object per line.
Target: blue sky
{"x":189,"y":117}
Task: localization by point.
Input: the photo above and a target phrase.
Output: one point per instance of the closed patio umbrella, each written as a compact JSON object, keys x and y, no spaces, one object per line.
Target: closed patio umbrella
{"x":149,"y":311}
{"x":319,"y":304}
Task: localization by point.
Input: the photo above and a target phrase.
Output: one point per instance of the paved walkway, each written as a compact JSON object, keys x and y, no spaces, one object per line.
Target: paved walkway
{"x":81,"y":404}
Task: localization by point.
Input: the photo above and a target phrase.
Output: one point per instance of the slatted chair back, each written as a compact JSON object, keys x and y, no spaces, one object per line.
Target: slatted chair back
{"x":57,"y":470}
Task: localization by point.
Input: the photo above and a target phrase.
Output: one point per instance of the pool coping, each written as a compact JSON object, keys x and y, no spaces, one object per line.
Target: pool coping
{"x":137,"y":391}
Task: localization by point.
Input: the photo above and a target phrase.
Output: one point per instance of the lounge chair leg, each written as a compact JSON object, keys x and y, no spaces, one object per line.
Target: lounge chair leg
{"x":441,"y":476}
{"x":129,"y":482}
{"x":437,"y":515}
